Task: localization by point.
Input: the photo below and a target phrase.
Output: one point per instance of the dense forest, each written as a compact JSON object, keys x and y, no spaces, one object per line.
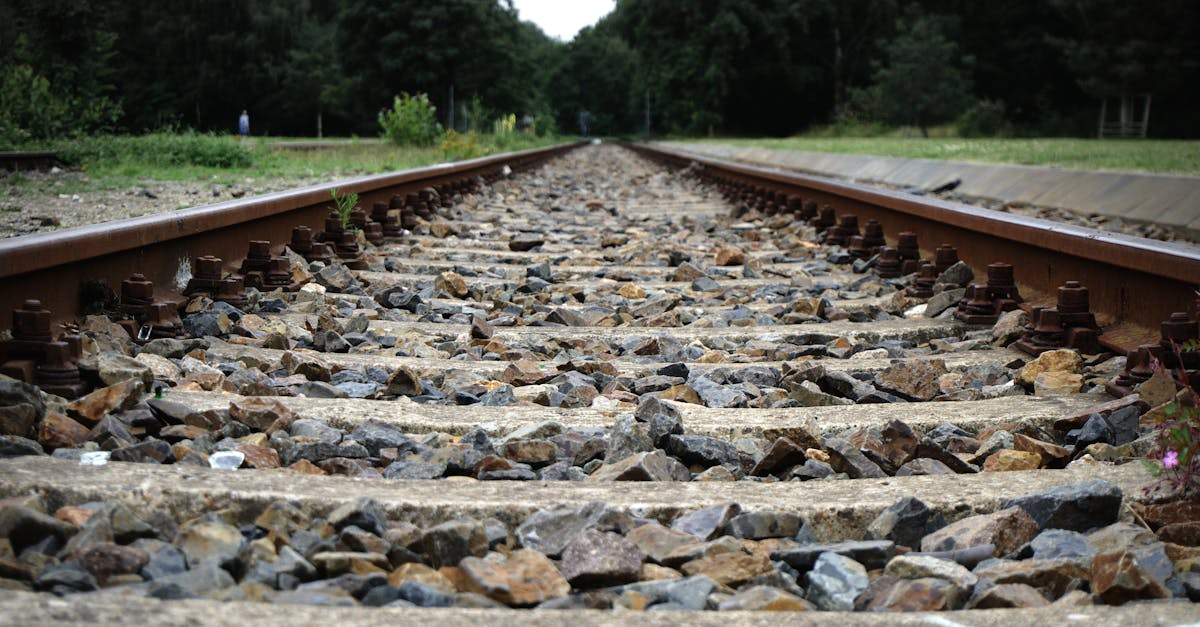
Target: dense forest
{"x":747,"y":67}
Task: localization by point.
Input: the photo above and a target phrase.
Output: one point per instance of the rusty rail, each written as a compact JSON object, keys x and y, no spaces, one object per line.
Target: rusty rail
{"x":1135,"y":283}
{"x":52,"y":266}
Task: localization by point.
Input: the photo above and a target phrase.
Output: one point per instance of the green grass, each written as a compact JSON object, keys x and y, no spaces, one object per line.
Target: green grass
{"x":113,"y":162}
{"x":1146,"y":155}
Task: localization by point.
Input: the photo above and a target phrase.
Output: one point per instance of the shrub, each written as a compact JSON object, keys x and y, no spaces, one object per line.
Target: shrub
{"x":411,"y":121}
{"x":161,"y":149}
{"x":458,"y":146}
{"x":985,"y":118}
{"x":345,"y":204}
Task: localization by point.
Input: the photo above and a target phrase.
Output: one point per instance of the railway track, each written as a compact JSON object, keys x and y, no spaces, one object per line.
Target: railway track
{"x":592,"y":384}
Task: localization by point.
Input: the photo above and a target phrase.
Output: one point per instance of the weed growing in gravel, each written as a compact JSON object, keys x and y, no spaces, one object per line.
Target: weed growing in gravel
{"x":1174,"y":459}
{"x":345,"y":204}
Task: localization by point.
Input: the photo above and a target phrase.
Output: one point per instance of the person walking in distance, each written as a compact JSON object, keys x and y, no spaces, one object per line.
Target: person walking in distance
{"x":244,"y":124}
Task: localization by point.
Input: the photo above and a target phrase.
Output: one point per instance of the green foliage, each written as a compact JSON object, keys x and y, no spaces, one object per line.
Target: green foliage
{"x":345,"y":204}
{"x":457,"y":146}
{"x":985,"y":119}
{"x":923,"y":81}
{"x":412,"y":121}
{"x":163,"y":149}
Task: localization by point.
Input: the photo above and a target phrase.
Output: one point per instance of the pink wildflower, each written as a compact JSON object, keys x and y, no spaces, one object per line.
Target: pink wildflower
{"x":1170,"y":459}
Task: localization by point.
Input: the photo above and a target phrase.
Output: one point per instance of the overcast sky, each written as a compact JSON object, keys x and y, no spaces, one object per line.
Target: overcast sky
{"x":563,"y":18}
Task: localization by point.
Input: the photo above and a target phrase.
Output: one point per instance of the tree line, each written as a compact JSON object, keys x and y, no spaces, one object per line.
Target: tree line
{"x":757,"y":67}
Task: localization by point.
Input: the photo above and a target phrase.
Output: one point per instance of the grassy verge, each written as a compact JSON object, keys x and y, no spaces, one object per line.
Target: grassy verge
{"x":116,"y":162}
{"x":1158,"y":156}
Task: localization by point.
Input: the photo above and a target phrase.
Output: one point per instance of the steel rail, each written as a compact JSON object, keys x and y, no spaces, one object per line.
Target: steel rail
{"x":1134,"y":283}
{"x":52,"y":266}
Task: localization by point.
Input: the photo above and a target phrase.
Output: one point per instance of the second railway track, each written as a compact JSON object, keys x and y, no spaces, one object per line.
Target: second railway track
{"x":594,"y":384}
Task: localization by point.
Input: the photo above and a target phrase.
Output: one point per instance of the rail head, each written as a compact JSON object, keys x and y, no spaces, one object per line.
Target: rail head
{"x":30,"y":253}
{"x":1177,"y":261}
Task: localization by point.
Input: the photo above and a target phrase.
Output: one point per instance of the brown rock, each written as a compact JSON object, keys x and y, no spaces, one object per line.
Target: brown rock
{"x":1158,"y":389}
{"x":1006,"y":529}
{"x":73,"y":515}
{"x":525,"y":372}
{"x":1184,"y":533}
{"x":262,"y":413}
{"x":814,"y":306}
{"x":533,"y":452}
{"x":260,"y":457}
{"x":645,"y":466}
{"x":654,"y":572}
{"x":335,"y":563}
{"x":917,"y":595}
{"x":306,"y":365}
{"x":1057,"y":383}
{"x":92,"y":407}
{"x":104,"y":560}
{"x":451,"y":283}
{"x":176,"y":433}
{"x":420,"y":573}
{"x":731,"y":569}
{"x":1117,"y":578}
{"x":1060,"y":360}
{"x":600,"y":558}
{"x":1168,"y":513}
{"x":1008,"y":595}
{"x":404,"y":381}
{"x":658,"y":542}
{"x":481,"y":329}
{"x":1051,"y":455}
{"x":525,"y":578}
{"x":306,"y":467}
{"x":912,"y":379}
{"x":59,"y":431}
{"x":687,"y":272}
{"x":730,"y":256}
{"x":764,"y":599}
{"x":924,"y":466}
{"x":780,"y":457}
{"x":632,"y":291}
{"x":1008,"y":459}
{"x":682,"y":393}
{"x":1052,"y":576}
{"x":899,"y":443}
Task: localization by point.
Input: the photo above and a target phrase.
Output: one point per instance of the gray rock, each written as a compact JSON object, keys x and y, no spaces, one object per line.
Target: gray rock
{"x":870,"y":553}
{"x":424,"y":595}
{"x":812,"y":469}
{"x":628,"y":436}
{"x":376,"y":435}
{"x":596,"y":558}
{"x":702,"y":450}
{"x":206,"y":323}
{"x":414,"y":470}
{"x":165,"y":562}
{"x":835,"y":581}
{"x":171,"y":348}
{"x":959,"y":274}
{"x":365,"y":513}
{"x":17,"y":446}
{"x":687,"y":593}
{"x":319,"y":389}
{"x":716,"y":395}
{"x":66,"y":578}
{"x":550,"y":530}
{"x":905,"y":522}
{"x":844,"y":385}
{"x":707,"y":523}
{"x":336,"y":277}
{"x":308,"y":427}
{"x":764,"y":524}
{"x":1078,"y":506}
{"x":845,"y":457}
{"x":943,"y":301}
{"x":809,"y":394}
{"x":115,"y":368}
{"x":448,"y":543}
{"x":1056,"y":543}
